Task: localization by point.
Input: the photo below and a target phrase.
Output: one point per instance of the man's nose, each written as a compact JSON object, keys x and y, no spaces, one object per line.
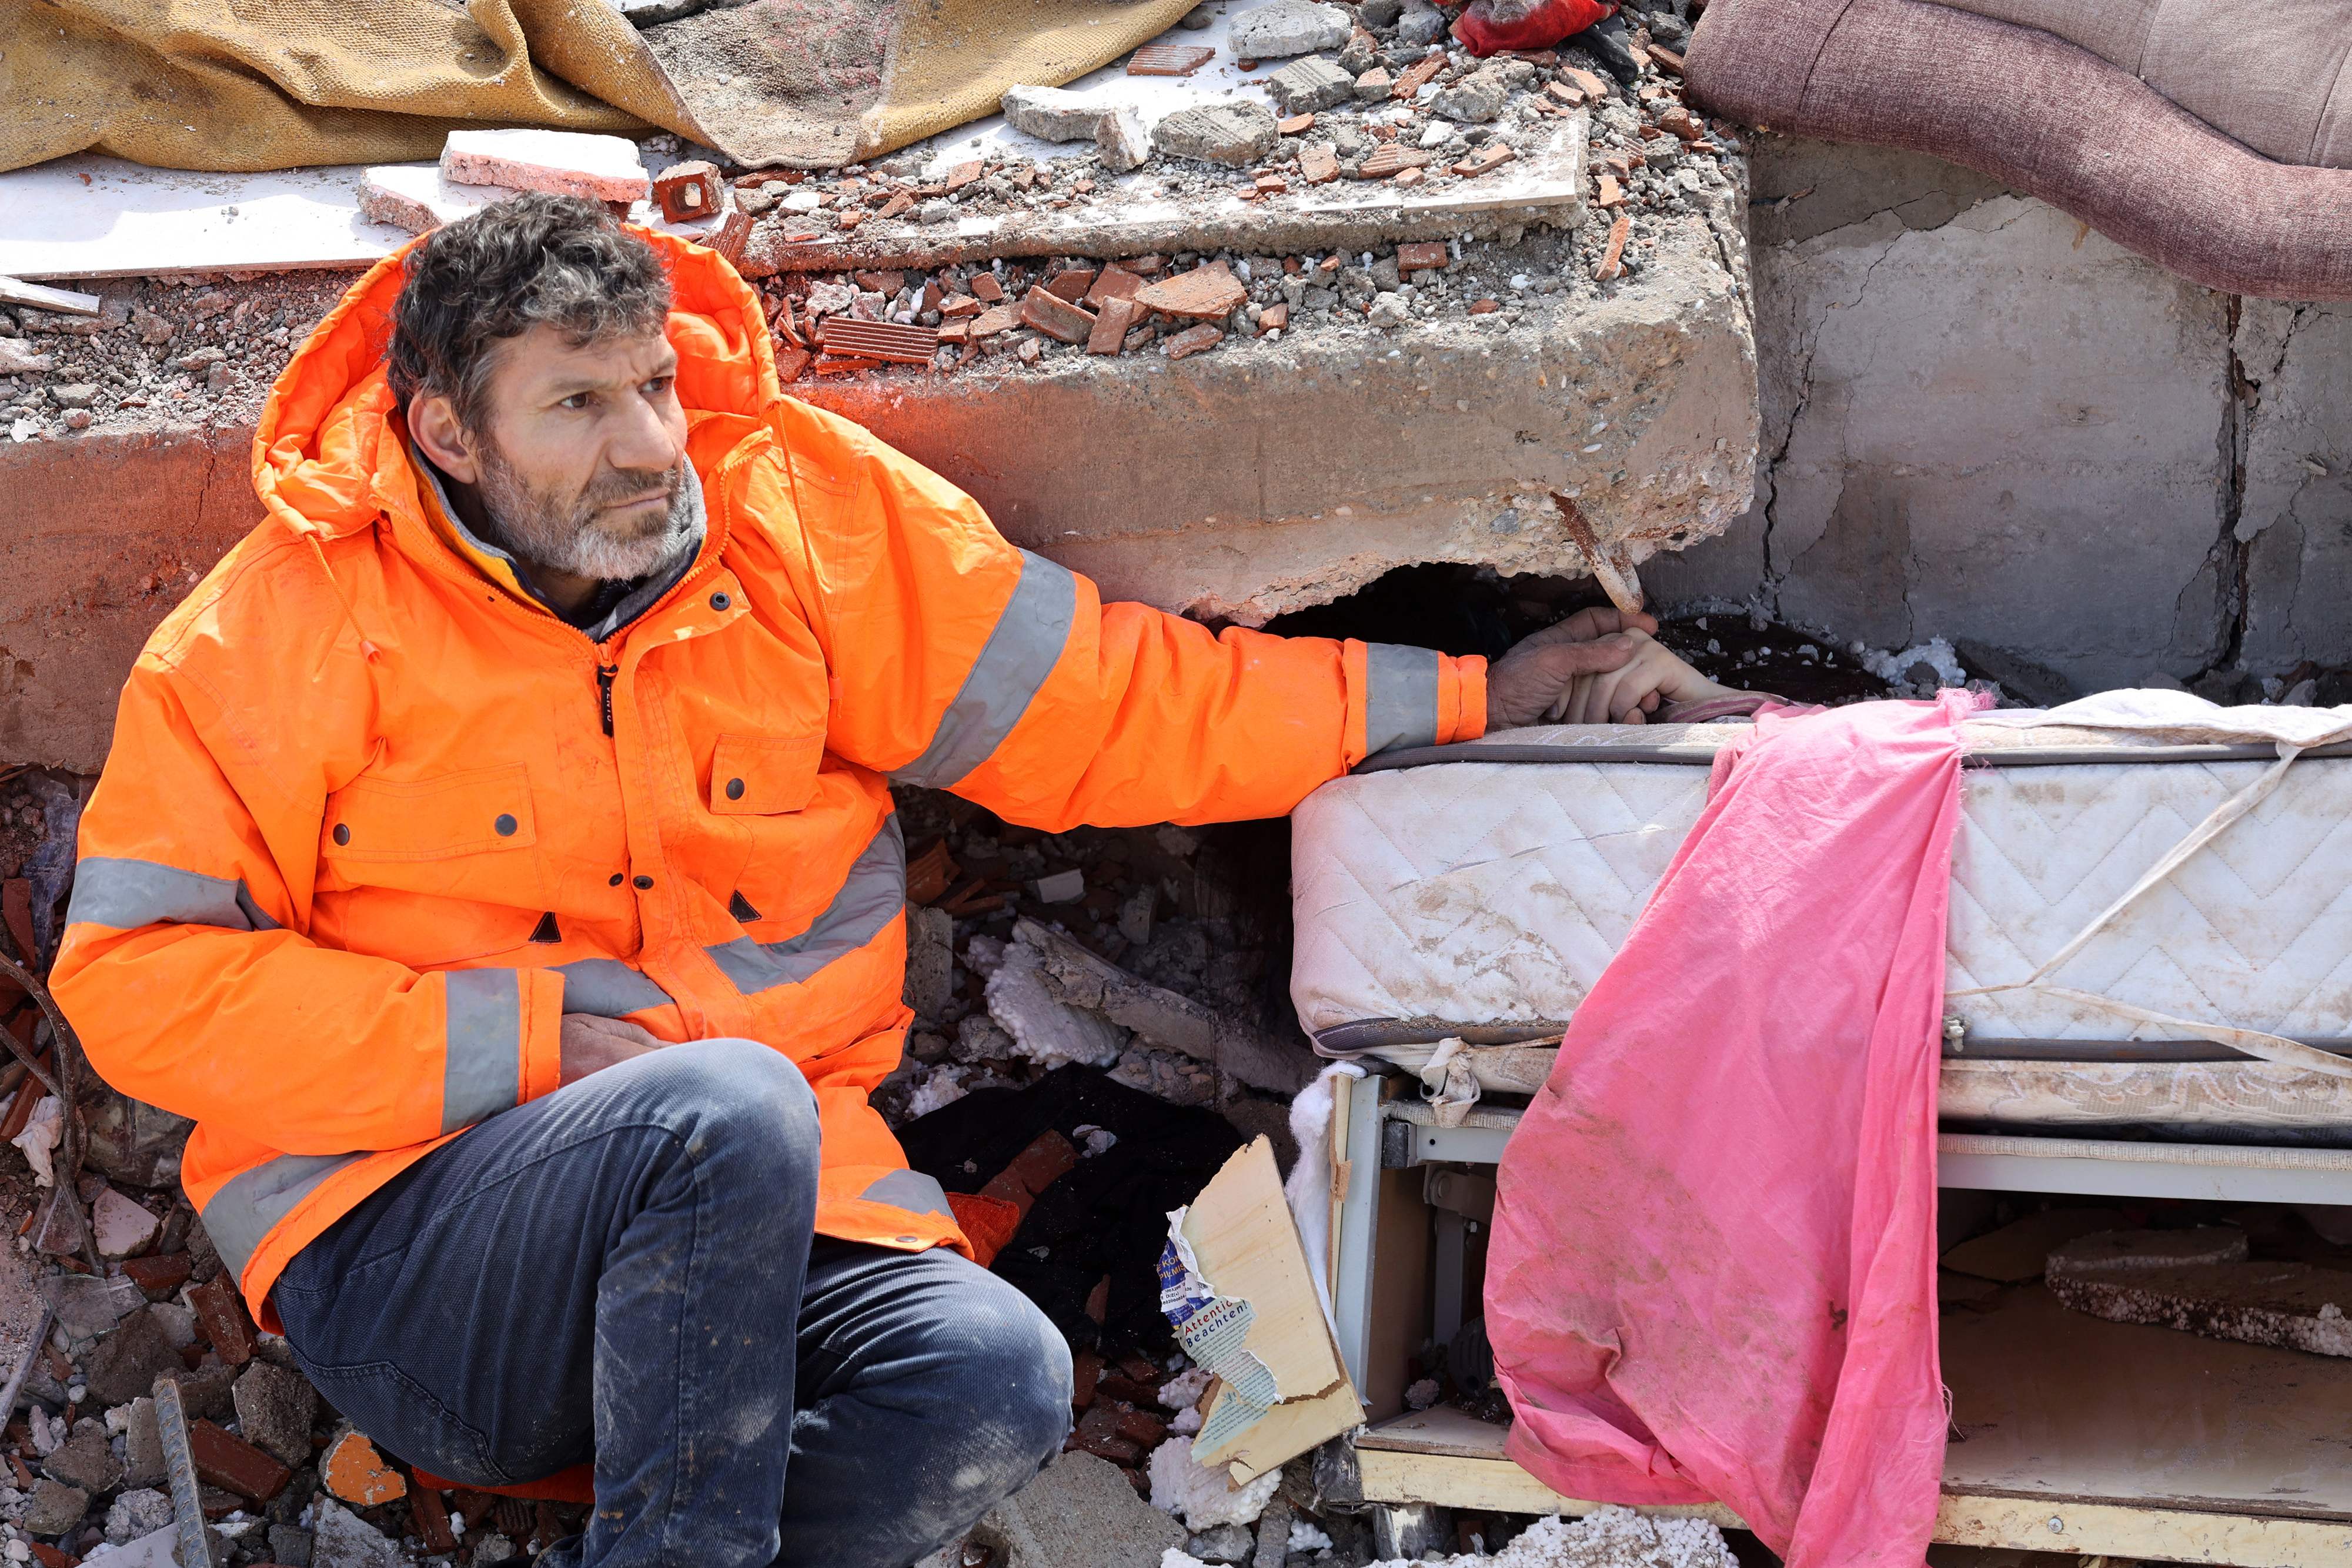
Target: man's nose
{"x":642,"y":440}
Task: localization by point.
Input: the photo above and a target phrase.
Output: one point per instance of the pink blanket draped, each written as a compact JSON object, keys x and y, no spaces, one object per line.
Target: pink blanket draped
{"x":1712,"y":1273}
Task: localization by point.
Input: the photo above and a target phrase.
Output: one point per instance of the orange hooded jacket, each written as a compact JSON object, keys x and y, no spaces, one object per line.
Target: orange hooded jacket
{"x":373,"y":822}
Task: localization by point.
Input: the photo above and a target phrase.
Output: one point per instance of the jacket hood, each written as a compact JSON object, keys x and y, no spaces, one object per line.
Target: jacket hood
{"x":326,"y":458}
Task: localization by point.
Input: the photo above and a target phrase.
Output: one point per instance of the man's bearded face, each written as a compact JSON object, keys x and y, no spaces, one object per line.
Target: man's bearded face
{"x":605,"y":529}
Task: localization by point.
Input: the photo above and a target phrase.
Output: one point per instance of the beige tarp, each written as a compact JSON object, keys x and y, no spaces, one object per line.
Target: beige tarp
{"x":246,"y":85}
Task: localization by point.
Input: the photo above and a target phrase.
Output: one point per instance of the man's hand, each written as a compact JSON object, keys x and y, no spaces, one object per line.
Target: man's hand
{"x":590,"y":1044}
{"x":1598,"y":666}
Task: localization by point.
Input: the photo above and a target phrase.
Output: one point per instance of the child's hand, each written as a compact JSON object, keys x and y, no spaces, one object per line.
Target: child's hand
{"x":1652,"y":677}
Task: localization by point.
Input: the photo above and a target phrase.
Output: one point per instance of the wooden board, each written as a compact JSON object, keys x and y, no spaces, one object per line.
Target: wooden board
{"x":2081,"y":1436}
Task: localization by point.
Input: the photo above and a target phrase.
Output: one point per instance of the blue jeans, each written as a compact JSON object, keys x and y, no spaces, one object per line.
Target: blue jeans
{"x":627,"y":1270}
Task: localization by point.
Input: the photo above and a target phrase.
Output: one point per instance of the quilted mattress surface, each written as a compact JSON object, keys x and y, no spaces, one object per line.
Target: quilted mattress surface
{"x":1489,"y":895}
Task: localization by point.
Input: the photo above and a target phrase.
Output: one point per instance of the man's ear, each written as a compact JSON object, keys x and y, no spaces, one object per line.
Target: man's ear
{"x":433,"y":426}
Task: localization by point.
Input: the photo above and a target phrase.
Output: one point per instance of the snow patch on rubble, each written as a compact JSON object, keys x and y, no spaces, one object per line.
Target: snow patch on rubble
{"x":1048,"y":1032}
{"x":1611,"y":1537}
{"x":1201,"y":1497}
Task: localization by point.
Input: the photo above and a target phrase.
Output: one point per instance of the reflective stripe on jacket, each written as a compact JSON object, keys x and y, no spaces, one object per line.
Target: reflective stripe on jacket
{"x":373,"y":822}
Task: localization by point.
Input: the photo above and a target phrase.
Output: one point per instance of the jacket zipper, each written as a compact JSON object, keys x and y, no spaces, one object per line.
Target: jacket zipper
{"x":604,"y":673}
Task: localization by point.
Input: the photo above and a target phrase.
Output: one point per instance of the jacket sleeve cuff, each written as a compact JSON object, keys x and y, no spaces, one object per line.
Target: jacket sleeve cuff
{"x":1462,"y":700}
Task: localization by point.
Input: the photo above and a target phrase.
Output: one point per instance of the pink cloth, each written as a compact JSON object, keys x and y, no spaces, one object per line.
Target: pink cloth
{"x":1713,"y":1267}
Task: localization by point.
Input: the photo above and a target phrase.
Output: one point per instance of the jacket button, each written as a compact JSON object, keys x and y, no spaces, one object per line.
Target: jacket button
{"x":616,"y":880}
{"x":506,"y":825}
{"x":644,"y":883}
{"x":734,"y":789}
{"x":720,"y":601}
{"x":342,"y":832}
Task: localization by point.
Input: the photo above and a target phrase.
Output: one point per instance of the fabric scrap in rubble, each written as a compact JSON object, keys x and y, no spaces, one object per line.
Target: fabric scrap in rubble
{"x":1713,"y":1265}
{"x":2055,"y":121}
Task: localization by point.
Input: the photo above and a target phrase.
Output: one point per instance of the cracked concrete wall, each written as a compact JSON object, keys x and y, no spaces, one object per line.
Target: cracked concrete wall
{"x":1982,"y":420}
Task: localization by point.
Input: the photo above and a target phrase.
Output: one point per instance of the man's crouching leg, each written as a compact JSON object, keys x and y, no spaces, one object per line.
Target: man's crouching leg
{"x":612,"y":1271}
{"x":930,"y":1390}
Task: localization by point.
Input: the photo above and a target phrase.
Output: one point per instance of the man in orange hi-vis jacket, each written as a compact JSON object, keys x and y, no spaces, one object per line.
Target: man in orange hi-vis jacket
{"x":497,"y":860}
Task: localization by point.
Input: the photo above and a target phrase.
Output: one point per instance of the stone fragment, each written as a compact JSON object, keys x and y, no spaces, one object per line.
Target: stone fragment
{"x":86,"y":1458}
{"x":1052,"y":113}
{"x":1111,"y":324}
{"x":1121,"y":139}
{"x":1288,"y":27}
{"x":568,"y":162}
{"x":135,"y":1513}
{"x":121,"y":1225}
{"x":1318,"y":165}
{"x":1168,"y":60}
{"x":1304,"y":86}
{"x":1192,"y":341}
{"x":275,"y":1409}
{"x":353,"y":1471}
{"x":1080,"y":1513}
{"x":232,"y":1464}
{"x":341,"y":1539}
{"x":82,"y":394}
{"x":55,"y":1509}
{"x":1477,"y":100}
{"x":1419,"y":22}
{"x":1374,"y":84}
{"x":208,"y":1392}
{"x":142,"y":1442}
{"x":1231,"y":132}
{"x":416,"y":199}
{"x":1225,"y":1543}
{"x":931,"y":960}
{"x":1055,"y":317}
{"x":126,"y":1362}
{"x":1207,"y":293}
{"x":18,"y":359}
{"x":689,"y":190}
{"x":1272,"y":1547}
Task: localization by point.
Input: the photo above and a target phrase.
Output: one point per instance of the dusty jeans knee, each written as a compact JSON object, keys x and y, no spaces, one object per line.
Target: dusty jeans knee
{"x":625,"y":1271}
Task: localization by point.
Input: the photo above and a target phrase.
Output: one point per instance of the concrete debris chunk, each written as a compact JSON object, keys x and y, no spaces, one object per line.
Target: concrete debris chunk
{"x":139,"y":1513}
{"x":55,"y":1509}
{"x":341,"y":1539}
{"x":2202,"y":1283}
{"x":1288,"y":27}
{"x":567,"y":163}
{"x":142,"y":1442}
{"x":121,"y":1225}
{"x":1122,"y":141}
{"x":1052,"y":113}
{"x":1080,"y":1513}
{"x":1232,"y":132}
{"x":417,"y":198}
{"x":275,"y":1409}
{"x":931,"y":960}
{"x":1476,"y":100}
{"x":18,"y":359}
{"x":86,"y":1458}
{"x":125,"y":1363}
{"x":1225,"y":1544}
{"x":1304,"y":86}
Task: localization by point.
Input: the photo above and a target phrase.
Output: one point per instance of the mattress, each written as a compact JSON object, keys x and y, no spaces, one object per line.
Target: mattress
{"x":1477,"y":891}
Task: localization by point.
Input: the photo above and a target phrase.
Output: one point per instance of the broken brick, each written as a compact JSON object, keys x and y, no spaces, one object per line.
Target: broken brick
{"x":1318,"y":165}
{"x":431,"y":1517}
{"x":887,"y":341}
{"x":1192,"y":341}
{"x":984,"y":287}
{"x":1418,"y":75}
{"x":1207,"y":293}
{"x":1112,"y":283}
{"x":1586,"y":82}
{"x":1612,"y":259}
{"x":1421,"y":255}
{"x":962,"y":174}
{"x":1071,"y":285}
{"x":955,"y":332}
{"x":1029,"y":350}
{"x":1110,"y":328}
{"x":1098,"y":1434}
{"x":1086,"y":1367}
{"x":1271,"y":185}
{"x":1492,"y":156}
{"x":1273,"y":319}
{"x":685,"y":191}
{"x":16,"y":910}
{"x":1168,"y":60}
{"x":956,"y":305}
{"x":897,"y":205}
{"x":355,"y":1472}
{"x":995,"y":319}
{"x":1572,"y":97}
{"x":1296,"y":125}
{"x":1142,"y":1428}
{"x":1412,"y":176}
{"x":1390,"y":160}
{"x":1679,"y":120}
{"x":233,"y":1465}
{"x":222,"y":1314}
{"x":888,"y":282}
{"x":1484,"y":306}
{"x":1055,"y":317}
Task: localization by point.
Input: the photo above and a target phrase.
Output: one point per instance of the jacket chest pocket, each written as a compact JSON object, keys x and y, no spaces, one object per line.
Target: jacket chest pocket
{"x":761,"y":775}
{"x":433,"y":870}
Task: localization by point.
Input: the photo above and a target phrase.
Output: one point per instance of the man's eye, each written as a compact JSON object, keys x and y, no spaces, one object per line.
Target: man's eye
{"x":659,"y":385}
{"x":577,"y":400}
